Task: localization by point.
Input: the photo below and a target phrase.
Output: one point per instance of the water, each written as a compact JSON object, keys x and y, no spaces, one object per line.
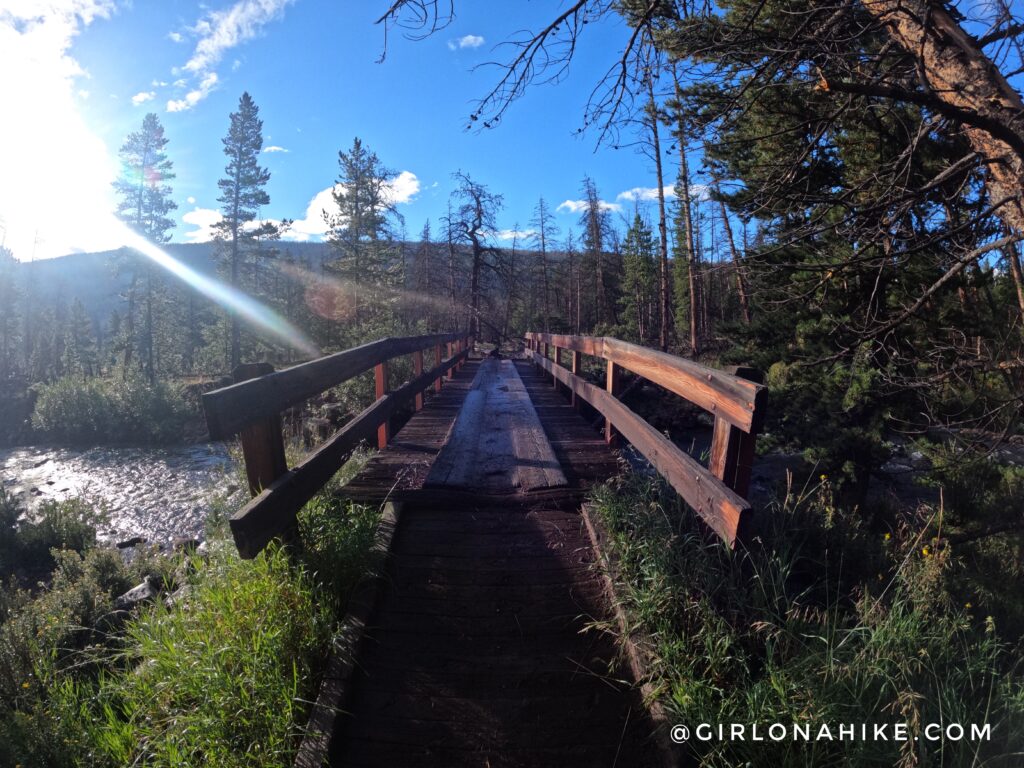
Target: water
{"x":156,"y":493}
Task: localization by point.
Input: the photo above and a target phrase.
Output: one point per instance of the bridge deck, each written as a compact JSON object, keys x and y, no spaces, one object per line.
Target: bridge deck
{"x":399,"y":473}
{"x":481,"y":650}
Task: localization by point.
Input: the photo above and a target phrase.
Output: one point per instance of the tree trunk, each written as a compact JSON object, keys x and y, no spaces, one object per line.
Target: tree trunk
{"x":741,"y":283}
{"x":691,"y":250}
{"x":1013,"y":258}
{"x":967,"y":82}
{"x":665,"y":303}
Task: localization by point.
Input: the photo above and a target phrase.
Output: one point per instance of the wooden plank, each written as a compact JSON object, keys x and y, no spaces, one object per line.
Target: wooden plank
{"x":262,"y":441}
{"x":455,"y":464}
{"x":535,"y":461}
{"x":722,"y":509}
{"x":497,"y":442}
{"x":732,"y":450}
{"x":590,"y":345}
{"x":275,"y":509}
{"x":736,"y":400}
{"x":232,"y":408}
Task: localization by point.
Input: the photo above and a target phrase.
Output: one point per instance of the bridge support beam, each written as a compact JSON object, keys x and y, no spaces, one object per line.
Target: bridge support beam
{"x":613,"y":383}
{"x":438,"y":357}
{"x":417,"y":371}
{"x":577,"y":370}
{"x":732,"y":449}
{"x":380,"y":381}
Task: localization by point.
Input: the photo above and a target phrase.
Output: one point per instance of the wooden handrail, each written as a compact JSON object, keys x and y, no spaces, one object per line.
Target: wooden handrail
{"x":715,"y":492}
{"x":737,"y":400}
{"x":253,"y":406}
{"x":233,"y":408}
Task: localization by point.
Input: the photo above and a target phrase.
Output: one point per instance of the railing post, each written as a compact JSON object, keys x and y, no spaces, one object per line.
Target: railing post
{"x":263,"y":442}
{"x":380,"y":381}
{"x":577,"y":366}
{"x":558,"y":361}
{"x":451,"y":371}
{"x":417,"y":371}
{"x":613,"y":383}
{"x":732,"y":449}
{"x":437,"y":362}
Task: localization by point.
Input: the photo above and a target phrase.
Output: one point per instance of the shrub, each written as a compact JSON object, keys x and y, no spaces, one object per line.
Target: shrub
{"x":26,"y":545}
{"x":90,"y":411}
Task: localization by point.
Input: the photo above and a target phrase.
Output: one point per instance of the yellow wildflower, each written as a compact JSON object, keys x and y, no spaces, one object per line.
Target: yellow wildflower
{"x":26,"y":685}
{"x":968,"y":606}
{"x":888,"y":535}
{"x":823,"y":478}
{"x":925,"y":551}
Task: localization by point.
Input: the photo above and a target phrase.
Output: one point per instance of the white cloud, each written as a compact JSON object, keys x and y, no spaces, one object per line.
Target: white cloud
{"x":514,"y":234}
{"x":194,"y":96}
{"x":467,"y":41}
{"x":275,"y":148}
{"x":49,"y":139}
{"x":645,"y":193}
{"x":83,"y":93}
{"x":403,"y":189}
{"x":159,"y":83}
{"x":219,"y":32}
{"x":222,"y":30}
{"x":578,"y":206}
{"x":142,"y":97}
{"x":313,"y":224}
{"x":204,"y":220}
{"x":176,"y":37}
{"x":190,"y":200}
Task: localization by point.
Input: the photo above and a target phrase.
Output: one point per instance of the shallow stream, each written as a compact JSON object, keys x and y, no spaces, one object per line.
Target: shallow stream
{"x":156,"y":493}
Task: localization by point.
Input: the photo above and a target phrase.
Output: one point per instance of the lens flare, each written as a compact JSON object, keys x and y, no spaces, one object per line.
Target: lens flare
{"x":333,"y":298}
{"x":250,"y":310}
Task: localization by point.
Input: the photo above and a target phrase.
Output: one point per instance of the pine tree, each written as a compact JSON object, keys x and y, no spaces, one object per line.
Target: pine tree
{"x":242,"y":195}
{"x":639,"y":282}
{"x":80,"y":350}
{"x":362,"y":231}
{"x":144,"y":205}
{"x":10,"y":301}
{"x":545,"y":231}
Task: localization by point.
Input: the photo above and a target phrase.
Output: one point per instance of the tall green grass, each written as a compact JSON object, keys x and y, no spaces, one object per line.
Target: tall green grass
{"x":223,"y":674}
{"x":819,"y":621}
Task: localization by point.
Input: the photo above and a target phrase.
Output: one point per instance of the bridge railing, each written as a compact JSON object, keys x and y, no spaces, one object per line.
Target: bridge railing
{"x":252,"y":407}
{"x":736,"y":401}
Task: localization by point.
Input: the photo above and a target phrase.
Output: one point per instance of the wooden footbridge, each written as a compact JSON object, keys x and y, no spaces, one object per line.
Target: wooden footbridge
{"x":489,"y":636}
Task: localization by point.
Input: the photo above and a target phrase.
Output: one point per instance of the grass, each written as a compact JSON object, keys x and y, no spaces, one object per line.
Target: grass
{"x":820,"y":621}
{"x":222,"y":675}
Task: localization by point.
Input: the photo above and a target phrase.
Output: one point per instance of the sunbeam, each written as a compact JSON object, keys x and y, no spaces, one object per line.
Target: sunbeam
{"x":252,"y":312}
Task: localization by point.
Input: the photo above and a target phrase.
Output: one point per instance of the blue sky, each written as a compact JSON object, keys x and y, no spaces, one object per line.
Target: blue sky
{"x":90,"y":69}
